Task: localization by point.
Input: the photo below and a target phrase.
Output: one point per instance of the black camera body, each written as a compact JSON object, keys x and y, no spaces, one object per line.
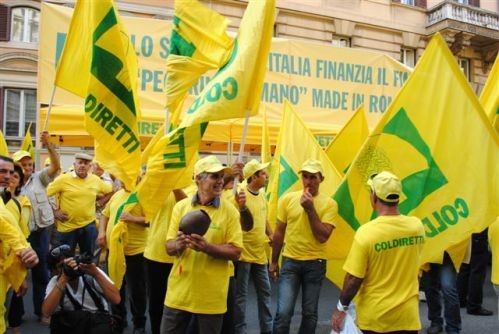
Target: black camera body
{"x":82,"y":258}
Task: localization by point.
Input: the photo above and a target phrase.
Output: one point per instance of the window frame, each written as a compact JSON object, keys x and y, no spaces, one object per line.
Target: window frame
{"x":21,"y":112}
{"x":467,"y":69}
{"x":27,"y":33}
{"x":339,"y":39}
{"x":403,"y":56}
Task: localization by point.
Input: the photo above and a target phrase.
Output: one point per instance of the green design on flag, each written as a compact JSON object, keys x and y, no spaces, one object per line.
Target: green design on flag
{"x":99,"y":53}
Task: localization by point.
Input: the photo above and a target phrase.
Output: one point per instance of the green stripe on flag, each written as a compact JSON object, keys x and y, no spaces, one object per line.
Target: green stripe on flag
{"x":132,"y":199}
{"x":347,"y":209}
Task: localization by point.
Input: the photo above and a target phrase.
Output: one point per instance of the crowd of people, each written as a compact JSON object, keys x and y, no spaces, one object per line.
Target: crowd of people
{"x":191,"y":265}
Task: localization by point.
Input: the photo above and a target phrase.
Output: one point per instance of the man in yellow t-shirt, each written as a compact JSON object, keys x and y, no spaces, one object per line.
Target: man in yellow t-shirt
{"x":76,"y":194}
{"x":199,"y":280}
{"x":253,"y":261}
{"x":136,"y":237}
{"x":383,"y":264}
{"x":305,"y":221}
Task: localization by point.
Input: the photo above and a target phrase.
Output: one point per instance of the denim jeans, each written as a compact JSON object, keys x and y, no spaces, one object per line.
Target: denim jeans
{"x":84,"y":236}
{"x":259,"y":274}
{"x":295,"y":274}
{"x":443,"y":277}
{"x":39,"y":241}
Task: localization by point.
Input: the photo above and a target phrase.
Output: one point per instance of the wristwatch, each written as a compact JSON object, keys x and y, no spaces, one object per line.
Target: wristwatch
{"x":341,"y":307}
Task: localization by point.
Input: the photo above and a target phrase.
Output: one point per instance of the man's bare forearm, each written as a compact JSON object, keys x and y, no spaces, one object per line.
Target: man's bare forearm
{"x":351,"y":286}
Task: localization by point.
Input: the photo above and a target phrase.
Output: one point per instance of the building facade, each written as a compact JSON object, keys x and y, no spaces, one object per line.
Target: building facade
{"x":398,"y":28}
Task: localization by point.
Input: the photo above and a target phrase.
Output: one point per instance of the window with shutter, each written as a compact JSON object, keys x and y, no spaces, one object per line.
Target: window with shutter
{"x":4,"y":23}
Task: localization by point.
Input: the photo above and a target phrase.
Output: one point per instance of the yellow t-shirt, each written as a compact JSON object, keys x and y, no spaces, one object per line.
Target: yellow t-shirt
{"x":155,"y":247}
{"x":494,"y":247}
{"x":300,"y":243}
{"x":11,"y":237}
{"x":137,"y":233}
{"x":20,"y":217}
{"x":77,"y":199}
{"x":198,"y":283}
{"x":386,"y":253}
{"x":255,"y":240}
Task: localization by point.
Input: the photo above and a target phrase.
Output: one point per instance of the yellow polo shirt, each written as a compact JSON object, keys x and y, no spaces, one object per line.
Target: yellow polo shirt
{"x":155,"y":247}
{"x":386,"y":254}
{"x":300,"y":243}
{"x":136,"y":233}
{"x":199,"y":283}
{"x":77,"y":198}
{"x":255,"y":240}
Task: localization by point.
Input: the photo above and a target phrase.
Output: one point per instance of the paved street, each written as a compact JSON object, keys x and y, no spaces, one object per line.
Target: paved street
{"x":329,"y":297}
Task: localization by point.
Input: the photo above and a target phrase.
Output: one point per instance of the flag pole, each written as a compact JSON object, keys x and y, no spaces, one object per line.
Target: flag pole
{"x":49,"y":109}
{"x":241,"y":148}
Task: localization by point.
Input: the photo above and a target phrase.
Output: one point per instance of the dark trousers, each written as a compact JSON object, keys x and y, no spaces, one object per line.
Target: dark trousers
{"x":134,"y":286}
{"x":157,"y":277}
{"x":176,"y":321}
{"x":472,"y":276}
{"x":84,"y":236}
{"x":16,"y":310}
{"x":39,"y":274}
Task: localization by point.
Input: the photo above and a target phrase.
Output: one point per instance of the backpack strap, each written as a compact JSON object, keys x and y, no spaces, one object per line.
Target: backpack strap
{"x":17,"y":204}
{"x":93,"y":294}
{"x":77,"y":306}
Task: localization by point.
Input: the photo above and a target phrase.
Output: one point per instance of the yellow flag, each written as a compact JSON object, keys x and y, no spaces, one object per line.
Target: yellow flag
{"x":436,"y":139}
{"x":238,"y":84}
{"x":347,"y":143}
{"x":170,"y":166}
{"x":4,"y":149}
{"x":490,"y":95}
{"x":198,"y":43}
{"x":266,"y":154}
{"x":297,"y":144}
{"x":117,"y":242}
{"x":99,"y":63}
{"x":27,"y":144}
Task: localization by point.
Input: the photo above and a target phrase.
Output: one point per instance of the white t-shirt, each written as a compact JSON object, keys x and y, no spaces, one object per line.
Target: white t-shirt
{"x":88,"y":302}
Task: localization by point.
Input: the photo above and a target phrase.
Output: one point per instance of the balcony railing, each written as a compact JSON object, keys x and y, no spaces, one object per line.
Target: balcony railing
{"x":462,"y":13}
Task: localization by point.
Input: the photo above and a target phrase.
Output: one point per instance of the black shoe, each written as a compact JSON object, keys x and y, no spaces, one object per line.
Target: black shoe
{"x":434,"y":329}
{"x":480,"y":311}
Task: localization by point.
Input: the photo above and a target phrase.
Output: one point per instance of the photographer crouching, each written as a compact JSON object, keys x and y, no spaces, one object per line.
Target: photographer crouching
{"x":77,"y":296}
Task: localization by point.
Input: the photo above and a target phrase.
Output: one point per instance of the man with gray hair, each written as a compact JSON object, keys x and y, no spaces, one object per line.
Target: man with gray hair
{"x":76,"y":194}
{"x":199,"y":280}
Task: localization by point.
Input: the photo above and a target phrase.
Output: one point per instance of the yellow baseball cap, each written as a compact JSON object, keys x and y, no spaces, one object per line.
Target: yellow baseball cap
{"x":210,"y":164}
{"x":253,"y":166}
{"x":47,"y":162}
{"x":17,"y":156}
{"x":312,"y":166}
{"x":386,"y":186}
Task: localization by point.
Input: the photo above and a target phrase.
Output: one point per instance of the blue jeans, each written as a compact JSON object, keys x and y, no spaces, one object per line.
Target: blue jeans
{"x":84,"y":236}
{"x":443,"y":277}
{"x":39,"y":241}
{"x":309,"y":275}
{"x":260,"y":276}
